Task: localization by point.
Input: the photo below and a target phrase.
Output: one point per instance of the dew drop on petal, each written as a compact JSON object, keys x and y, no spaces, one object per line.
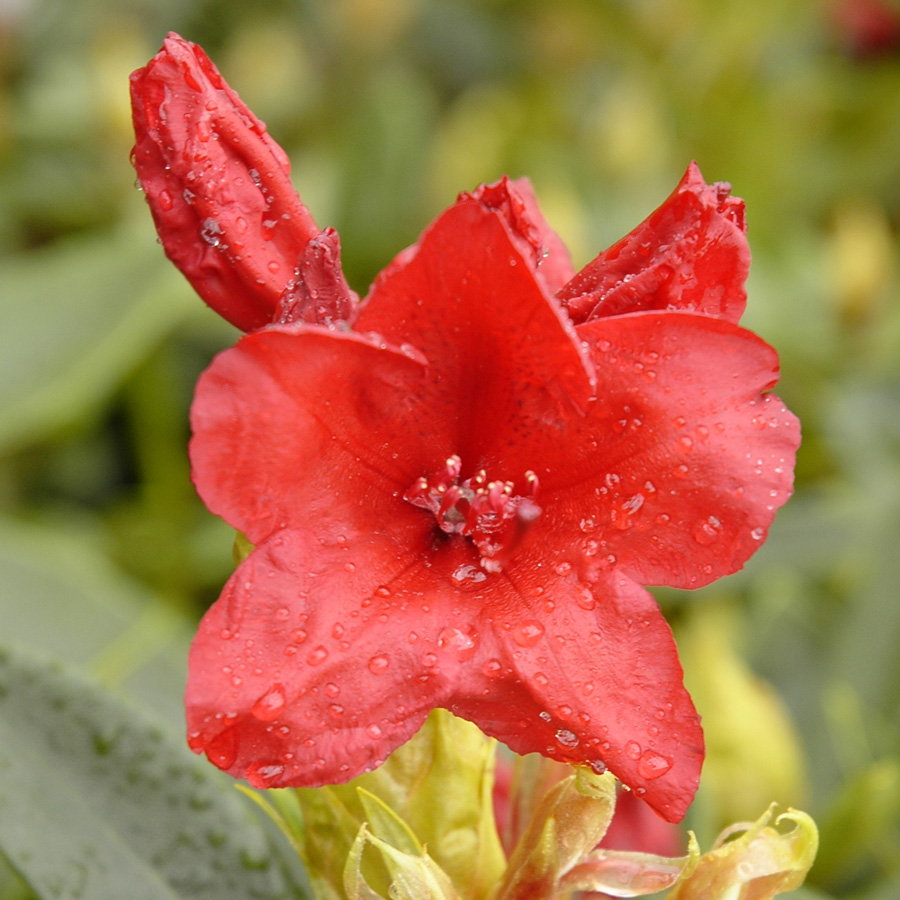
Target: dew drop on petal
{"x":493,"y":668}
{"x":264,"y":772}
{"x":211,"y":232}
{"x":317,"y":656}
{"x":374,"y":732}
{"x":528,"y":633}
{"x":707,"y":531}
{"x":379,"y":664}
{"x":653,"y":765}
{"x":633,"y":750}
{"x":462,"y":643}
{"x":567,"y":738}
{"x":222,"y":749}
{"x":270,"y":704}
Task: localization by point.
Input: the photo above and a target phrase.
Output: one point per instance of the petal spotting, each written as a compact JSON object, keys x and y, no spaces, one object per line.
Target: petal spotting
{"x":458,"y":489}
{"x":219,"y":188}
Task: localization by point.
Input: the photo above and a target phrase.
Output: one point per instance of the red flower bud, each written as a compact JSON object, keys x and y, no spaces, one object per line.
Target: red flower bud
{"x":219,"y":188}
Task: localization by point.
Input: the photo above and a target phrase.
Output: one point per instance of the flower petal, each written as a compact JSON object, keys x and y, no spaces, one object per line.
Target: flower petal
{"x":588,"y":675}
{"x":307,"y":427}
{"x":498,"y":346}
{"x":677,"y":471}
{"x":306,"y":671}
{"x":218,"y":186}
{"x":690,"y":254}
{"x":535,"y":239}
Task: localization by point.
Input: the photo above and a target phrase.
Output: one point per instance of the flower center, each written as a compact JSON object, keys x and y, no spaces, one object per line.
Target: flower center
{"x":487,"y":512}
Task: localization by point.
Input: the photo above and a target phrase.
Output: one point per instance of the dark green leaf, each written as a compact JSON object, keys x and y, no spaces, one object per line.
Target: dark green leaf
{"x":98,"y":803}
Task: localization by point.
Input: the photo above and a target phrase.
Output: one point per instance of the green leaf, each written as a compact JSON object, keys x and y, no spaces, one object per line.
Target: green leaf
{"x":77,"y":317}
{"x":98,"y":803}
{"x":386,"y":825}
{"x":565,"y":826}
{"x":438,"y":789}
{"x":61,"y":595}
{"x":414,"y":876}
{"x":752,"y":861}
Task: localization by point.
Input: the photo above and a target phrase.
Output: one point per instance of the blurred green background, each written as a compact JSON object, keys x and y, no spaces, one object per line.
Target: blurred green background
{"x":388,"y":108}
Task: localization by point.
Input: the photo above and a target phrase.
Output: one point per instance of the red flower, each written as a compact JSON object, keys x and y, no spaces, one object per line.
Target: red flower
{"x":210,"y":171}
{"x":457,"y":495}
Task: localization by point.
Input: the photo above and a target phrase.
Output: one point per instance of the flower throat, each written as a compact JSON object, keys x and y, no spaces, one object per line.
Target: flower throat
{"x":487,"y":512}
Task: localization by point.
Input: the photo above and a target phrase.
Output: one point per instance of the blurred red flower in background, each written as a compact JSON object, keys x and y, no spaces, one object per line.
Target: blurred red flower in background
{"x":457,"y":488}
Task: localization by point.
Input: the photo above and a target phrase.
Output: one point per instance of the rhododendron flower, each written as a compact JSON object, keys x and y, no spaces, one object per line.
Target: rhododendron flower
{"x":458,"y":488}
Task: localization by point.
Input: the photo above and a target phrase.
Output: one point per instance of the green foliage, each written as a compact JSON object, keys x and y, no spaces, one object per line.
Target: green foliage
{"x":388,"y":108}
{"x":99,"y":803}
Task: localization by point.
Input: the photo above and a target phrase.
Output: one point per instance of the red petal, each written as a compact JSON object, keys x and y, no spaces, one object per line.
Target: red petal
{"x":306,"y":671}
{"x":589,"y":682}
{"x":319,"y":294}
{"x":691,"y":254}
{"x":534,"y":238}
{"x":499,"y":349}
{"x":300,"y":426}
{"x":218,"y":186}
{"x":682,"y":462}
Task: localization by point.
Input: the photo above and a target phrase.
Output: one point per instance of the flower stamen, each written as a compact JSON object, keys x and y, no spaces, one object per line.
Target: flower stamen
{"x":488,"y":512}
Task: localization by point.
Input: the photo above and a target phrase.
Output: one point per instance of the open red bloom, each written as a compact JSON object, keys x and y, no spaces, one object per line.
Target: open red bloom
{"x":457,"y":496}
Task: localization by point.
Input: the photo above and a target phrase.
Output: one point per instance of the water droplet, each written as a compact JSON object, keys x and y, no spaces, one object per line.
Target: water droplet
{"x":468,"y":574}
{"x":222,"y":749}
{"x":211,"y":232}
{"x":265,"y":772}
{"x":429,"y":660}
{"x":541,"y":679}
{"x":379,"y":664}
{"x":598,"y":766}
{"x":374,"y":732}
{"x":336,"y":710}
{"x":758,"y":534}
{"x":633,"y":750}
{"x":382,"y":591}
{"x":653,"y":765}
{"x":567,"y":738}
{"x":562,"y":568}
{"x":270,"y":704}
{"x":317,"y":656}
{"x":337,"y":632}
{"x":493,"y":668}
{"x":462,"y":643}
{"x":584,"y":598}
{"x":545,"y":716}
{"x":707,"y":531}
{"x":332,"y":690}
{"x":528,"y":633}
